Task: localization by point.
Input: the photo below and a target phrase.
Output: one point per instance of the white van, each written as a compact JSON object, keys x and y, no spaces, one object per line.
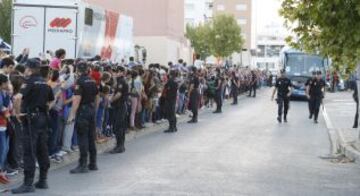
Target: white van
{"x":83,"y":30}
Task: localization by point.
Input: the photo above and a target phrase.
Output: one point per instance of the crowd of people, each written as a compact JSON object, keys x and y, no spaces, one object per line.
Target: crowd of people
{"x":145,"y":91}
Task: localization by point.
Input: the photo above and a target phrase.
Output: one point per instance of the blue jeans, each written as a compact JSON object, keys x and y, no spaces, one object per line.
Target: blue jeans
{"x":4,"y":147}
{"x":181,"y":104}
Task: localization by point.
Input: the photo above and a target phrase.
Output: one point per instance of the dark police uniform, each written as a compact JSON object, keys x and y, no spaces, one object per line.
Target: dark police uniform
{"x":253,"y":84}
{"x":194,"y":99}
{"x":171,"y":88}
{"x":307,"y":85}
{"x":283,"y":84}
{"x":219,"y":93}
{"x":36,"y":95}
{"x":316,"y":96}
{"x":120,"y":113}
{"x":235,"y":89}
{"x":85,"y":121}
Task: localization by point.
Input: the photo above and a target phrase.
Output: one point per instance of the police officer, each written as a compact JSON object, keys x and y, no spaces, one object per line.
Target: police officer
{"x":171,"y":88}
{"x":253,"y":84}
{"x":283,"y":88}
{"x":219,"y":83}
{"x":315,"y":93}
{"x":119,"y":104}
{"x":194,"y":95}
{"x":84,"y":106}
{"x":307,"y":86}
{"x":34,"y":96}
{"x":235,"y":85}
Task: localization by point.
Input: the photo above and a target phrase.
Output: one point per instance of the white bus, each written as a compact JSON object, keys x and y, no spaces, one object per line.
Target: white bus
{"x":83,"y":30}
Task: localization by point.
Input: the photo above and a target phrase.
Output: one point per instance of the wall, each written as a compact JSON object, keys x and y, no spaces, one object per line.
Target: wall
{"x":151,"y":17}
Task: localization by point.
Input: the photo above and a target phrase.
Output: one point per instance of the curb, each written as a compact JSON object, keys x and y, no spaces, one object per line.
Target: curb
{"x":105,"y":147}
{"x":338,"y":144}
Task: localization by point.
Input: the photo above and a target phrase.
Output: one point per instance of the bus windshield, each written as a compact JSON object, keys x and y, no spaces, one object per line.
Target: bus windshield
{"x":303,"y":64}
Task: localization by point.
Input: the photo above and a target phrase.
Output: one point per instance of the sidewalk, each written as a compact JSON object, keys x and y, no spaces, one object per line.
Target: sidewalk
{"x":339,"y":113}
{"x":105,"y":147}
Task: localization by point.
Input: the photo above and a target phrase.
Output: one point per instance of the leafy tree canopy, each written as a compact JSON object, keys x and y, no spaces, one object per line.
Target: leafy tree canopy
{"x":330,"y":27}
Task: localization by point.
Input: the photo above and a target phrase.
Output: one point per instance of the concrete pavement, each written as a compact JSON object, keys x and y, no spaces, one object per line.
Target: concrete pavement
{"x":243,"y":151}
{"x":339,"y":113}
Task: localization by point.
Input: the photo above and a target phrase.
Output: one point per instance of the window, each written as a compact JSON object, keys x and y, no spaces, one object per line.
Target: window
{"x":220,"y":7}
{"x":89,"y":13}
{"x":241,"y":7}
{"x":242,"y":21}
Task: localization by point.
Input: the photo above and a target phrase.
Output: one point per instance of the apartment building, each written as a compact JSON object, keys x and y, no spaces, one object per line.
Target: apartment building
{"x":198,"y":11}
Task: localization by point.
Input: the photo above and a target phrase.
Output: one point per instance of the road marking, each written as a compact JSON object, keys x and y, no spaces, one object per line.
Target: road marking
{"x":327,"y":119}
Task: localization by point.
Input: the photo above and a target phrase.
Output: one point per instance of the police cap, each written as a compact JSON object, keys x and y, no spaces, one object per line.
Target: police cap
{"x":33,"y":63}
{"x":82,"y":66}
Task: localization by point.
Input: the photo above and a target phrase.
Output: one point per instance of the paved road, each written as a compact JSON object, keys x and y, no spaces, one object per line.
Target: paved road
{"x":241,"y":152}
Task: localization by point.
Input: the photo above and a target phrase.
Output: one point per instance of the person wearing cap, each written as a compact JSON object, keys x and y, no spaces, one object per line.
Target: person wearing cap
{"x":220,"y":85}
{"x":194,"y":95}
{"x":315,"y":93}
{"x":283,"y":88}
{"x":307,"y":85}
{"x":34,"y":98}
{"x":84,"y":102}
{"x":253,"y":84}
{"x":170,"y":96}
{"x":119,"y":104}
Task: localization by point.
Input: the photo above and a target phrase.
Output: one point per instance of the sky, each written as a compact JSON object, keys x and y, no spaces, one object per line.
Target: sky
{"x":267,"y":12}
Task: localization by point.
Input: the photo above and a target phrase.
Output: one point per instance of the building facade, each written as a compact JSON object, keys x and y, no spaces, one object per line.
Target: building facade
{"x":198,"y":11}
{"x":158,"y":27}
{"x":269,"y":44}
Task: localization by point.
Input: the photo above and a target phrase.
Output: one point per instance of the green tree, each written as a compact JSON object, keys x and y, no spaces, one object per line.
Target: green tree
{"x":330,"y":27}
{"x":199,"y":38}
{"x":225,"y":36}
{"x":5,"y":20}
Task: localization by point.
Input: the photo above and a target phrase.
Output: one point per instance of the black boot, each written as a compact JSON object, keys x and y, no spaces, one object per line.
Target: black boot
{"x":42,"y":183}
{"x":117,"y":150}
{"x":279,"y":119}
{"x":193,"y":121}
{"x":170,"y":130}
{"x":23,"y":189}
{"x":79,"y":170}
{"x":93,"y":167}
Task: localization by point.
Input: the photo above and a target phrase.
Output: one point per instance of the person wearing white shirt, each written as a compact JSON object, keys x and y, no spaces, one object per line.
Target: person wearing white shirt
{"x":198,"y":63}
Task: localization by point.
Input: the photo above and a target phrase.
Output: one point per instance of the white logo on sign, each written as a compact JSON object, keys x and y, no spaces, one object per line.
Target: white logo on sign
{"x":27,"y":22}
